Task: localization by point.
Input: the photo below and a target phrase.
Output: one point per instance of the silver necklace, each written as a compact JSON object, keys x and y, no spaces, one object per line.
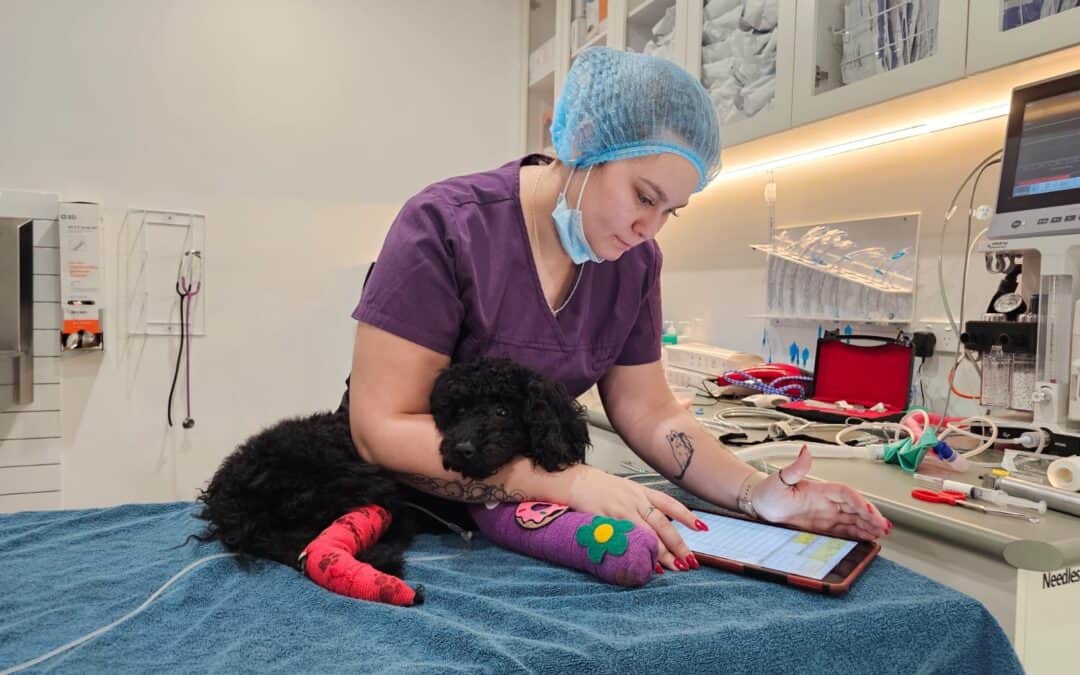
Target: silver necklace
{"x":577,"y":279}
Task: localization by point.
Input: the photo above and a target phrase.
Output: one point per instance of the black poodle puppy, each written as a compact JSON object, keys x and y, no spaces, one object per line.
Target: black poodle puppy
{"x":280,"y":488}
{"x":492,"y":410}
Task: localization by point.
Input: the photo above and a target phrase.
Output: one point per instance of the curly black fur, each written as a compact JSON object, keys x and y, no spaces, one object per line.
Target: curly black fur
{"x":280,"y":488}
{"x":284,"y":485}
{"x":492,"y":410}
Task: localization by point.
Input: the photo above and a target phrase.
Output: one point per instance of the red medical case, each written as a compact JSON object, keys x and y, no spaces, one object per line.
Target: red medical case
{"x":862,"y":375}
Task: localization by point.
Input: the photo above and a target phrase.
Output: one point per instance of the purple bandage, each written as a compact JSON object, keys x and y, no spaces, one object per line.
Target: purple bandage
{"x":559,"y":541}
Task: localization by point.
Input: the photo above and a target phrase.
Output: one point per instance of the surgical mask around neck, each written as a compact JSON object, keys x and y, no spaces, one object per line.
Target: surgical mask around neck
{"x":568,"y":225}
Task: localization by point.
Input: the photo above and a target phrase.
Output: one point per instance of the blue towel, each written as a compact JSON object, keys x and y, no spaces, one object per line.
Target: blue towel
{"x":66,"y":573}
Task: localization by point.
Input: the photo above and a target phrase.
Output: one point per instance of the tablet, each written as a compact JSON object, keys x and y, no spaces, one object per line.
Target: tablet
{"x":777,"y":553}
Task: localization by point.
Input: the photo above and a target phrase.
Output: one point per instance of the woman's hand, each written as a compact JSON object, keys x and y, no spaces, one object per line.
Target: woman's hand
{"x":834,"y":508}
{"x":594,"y":491}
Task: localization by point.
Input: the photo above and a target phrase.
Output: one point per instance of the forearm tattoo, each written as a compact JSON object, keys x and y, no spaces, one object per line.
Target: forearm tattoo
{"x":467,"y":490}
{"x":682,"y":449}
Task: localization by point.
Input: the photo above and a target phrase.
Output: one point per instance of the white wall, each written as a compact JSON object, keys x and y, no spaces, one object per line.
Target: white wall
{"x":299,"y":128}
{"x":711,"y":272}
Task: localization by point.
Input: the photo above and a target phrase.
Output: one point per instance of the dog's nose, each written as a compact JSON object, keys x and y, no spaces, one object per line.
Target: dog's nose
{"x":465,"y":450}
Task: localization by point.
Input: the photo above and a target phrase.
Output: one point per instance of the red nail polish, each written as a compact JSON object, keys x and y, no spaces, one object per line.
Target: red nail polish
{"x":700,"y":526}
{"x":681,"y":565}
{"x":693,"y":561}
{"x":659,"y":568}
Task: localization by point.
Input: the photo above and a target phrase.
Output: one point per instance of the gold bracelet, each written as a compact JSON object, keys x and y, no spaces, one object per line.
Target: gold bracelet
{"x":745,"y":502}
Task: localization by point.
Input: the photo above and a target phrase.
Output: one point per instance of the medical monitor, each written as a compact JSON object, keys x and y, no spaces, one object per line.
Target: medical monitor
{"x":1039,"y":193}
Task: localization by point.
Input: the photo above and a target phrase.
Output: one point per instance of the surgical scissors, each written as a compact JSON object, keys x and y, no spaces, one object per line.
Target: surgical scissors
{"x":960,"y":499}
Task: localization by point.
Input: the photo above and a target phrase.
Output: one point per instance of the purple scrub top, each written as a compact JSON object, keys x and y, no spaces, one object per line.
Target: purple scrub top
{"x":456,"y":275}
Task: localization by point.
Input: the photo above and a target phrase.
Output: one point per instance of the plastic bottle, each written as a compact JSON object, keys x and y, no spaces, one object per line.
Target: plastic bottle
{"x":995,"y":379}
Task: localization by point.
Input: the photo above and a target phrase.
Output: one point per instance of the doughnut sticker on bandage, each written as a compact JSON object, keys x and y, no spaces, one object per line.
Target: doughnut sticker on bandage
{"x":534,"y":515}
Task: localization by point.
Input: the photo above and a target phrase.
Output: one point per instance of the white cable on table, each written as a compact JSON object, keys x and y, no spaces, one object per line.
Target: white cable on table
{"x":104,"y":629}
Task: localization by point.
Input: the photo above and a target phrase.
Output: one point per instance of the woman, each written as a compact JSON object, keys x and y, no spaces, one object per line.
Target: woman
{"x":553,"y":263}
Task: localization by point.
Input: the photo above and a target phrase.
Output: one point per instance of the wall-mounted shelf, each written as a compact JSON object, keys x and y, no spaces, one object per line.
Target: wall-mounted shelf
{"x":856,"y":277}
{"x":855,"y":272}
{"x":648,"y":13}
{"x":598,"y":38}
{"x":830,"y":319}
{"x":544,"y":81}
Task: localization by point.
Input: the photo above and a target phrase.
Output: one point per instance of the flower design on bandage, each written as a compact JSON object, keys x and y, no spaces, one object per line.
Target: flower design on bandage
{"x":604,"y":535}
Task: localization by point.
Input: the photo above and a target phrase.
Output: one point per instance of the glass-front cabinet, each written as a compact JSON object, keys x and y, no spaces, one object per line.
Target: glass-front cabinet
{"x":743,"y":52}
{"x":854,"y":53}
{"x":590,"y":25}
{"x":770,"y":65}
{"x":1006,"y":31}
{"x":656,"y":27}
{"x":546,"y":30}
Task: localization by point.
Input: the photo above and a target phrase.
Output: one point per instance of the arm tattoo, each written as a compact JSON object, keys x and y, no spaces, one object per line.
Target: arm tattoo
{"x":682,"y":450}
{"x":467,"y":490}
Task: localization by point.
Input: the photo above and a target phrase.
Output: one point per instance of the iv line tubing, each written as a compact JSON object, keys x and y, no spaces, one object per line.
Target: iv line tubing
{"x":104,"y":629}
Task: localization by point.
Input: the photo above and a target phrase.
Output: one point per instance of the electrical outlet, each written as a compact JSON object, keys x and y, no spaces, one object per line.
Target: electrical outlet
{"x":947,"y":339}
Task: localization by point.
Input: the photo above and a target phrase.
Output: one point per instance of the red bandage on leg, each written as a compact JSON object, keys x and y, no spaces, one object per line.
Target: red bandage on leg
{"x":330,"y":559}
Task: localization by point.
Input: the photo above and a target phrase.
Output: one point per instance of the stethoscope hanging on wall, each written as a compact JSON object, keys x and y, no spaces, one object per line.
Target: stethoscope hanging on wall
{"x":189,"y":275}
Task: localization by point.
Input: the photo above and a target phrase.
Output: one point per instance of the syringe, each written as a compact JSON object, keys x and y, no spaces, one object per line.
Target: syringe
{"x":999,"y":497}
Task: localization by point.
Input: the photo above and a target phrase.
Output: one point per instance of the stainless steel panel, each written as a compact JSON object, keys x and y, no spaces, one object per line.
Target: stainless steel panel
{"x":16,"y":311}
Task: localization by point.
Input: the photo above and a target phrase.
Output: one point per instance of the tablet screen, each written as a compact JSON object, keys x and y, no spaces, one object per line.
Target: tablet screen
{"x":777,"y":548}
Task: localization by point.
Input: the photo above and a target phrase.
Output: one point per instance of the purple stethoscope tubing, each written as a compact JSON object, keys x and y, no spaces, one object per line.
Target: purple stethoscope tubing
{"x":187,"y":288}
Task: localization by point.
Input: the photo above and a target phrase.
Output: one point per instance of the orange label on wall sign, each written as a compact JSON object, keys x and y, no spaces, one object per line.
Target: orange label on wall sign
{"x":76,"y":325}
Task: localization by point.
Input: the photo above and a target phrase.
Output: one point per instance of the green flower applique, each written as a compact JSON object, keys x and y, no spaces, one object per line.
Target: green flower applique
{"x":604,"y":535}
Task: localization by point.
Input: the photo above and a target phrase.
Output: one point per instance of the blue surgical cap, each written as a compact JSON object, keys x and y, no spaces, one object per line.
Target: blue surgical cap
{"x":618,"y":105}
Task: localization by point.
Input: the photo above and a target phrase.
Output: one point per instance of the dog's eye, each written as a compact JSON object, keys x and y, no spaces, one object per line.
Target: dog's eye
{"x":501,"y":411}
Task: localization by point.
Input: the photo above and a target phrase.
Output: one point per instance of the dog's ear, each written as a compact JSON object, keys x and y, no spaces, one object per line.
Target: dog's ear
{"x":558,"y":431}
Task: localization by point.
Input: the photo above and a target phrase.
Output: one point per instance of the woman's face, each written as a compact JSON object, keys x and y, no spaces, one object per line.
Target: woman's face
{"x":627,"y":201}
